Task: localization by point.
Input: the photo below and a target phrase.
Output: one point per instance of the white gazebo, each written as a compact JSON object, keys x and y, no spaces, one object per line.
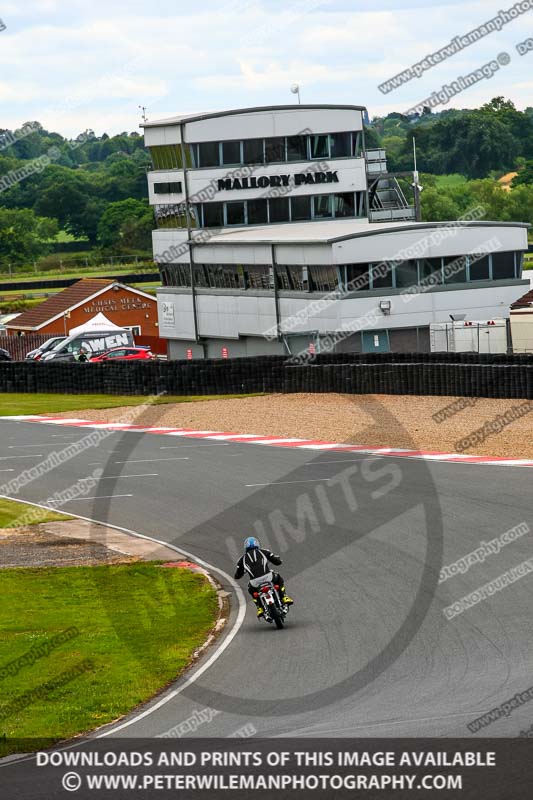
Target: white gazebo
{"x":97,"y":323}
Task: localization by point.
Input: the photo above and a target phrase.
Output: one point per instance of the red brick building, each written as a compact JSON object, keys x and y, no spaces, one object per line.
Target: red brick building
{"x":123,"y":305}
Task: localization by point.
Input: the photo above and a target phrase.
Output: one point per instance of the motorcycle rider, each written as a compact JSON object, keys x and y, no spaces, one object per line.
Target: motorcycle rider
{"x":255,"y":562}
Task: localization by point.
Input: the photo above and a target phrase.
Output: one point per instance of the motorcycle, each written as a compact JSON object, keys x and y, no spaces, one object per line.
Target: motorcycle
{"x":267,"y":594}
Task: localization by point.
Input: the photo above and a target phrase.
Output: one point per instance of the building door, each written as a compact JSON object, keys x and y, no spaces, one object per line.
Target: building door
{"x":376,"y":342}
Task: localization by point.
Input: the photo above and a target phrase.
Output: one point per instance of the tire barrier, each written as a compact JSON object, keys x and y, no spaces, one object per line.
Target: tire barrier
{"x":455,"y":375}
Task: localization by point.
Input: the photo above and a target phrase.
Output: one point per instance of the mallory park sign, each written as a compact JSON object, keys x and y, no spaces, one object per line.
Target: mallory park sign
{"x":266,"y":181}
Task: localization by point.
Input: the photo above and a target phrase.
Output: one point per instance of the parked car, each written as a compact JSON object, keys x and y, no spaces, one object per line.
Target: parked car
{"x":37,"y":354}
{"x":94,"y":343}
{"x":4,"y":355}
{"x":125,"y":354}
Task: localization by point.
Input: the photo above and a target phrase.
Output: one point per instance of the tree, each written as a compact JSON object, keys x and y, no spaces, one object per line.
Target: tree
{"x":24,"y":236}
{"x":525,"y":176}
{"x":438,"y":206}
{"x":126,"y":225}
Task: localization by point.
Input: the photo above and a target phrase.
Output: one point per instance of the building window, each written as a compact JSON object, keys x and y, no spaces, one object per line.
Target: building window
{"x":167,"y":188}
{"x":169,"y":156}
{"x":454,"y":269}
{"x":175,"y":274}
{"x":382,"y":275}
{"x":297,"y":148}
{"x":208,"y":154}
{"x":320,"y":146}
{"x":252,"y":151}
{"x":358,"y":277}
{"x":235,"y":214}
{"x":340,"y":145}
{"x":357,"y":144}
{"x":257,"y":212}
{"x":322,"y":206}
{"x":213,"y":215}
{"x":503,"y":266}
{"x":479,"y":268}
{"x":173,"y":216}
{"x":274,"y":150}
{"x":257,"y":276}
{"x":323,"y":278}
{"x":300,"y":208}
{"x":344,"y":204}
{"x":231,"y":153}
{"x":292,"y":278}
{"x":430,"y":271}
{"x":279,"y":209}
{"x":406,"y":274}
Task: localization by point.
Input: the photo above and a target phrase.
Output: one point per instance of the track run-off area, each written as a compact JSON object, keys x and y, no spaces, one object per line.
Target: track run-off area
{"x":375,"y":547}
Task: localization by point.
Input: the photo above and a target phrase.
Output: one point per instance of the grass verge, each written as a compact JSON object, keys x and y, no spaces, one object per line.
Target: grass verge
{"x":132,"y":629}
{"x":13,"y":404}
{"x":13,"y":514}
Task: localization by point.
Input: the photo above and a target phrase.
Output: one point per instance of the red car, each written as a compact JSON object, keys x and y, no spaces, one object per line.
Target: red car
{"x":125,"y":354}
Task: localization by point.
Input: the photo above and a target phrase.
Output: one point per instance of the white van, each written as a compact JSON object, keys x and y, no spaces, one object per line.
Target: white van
{"x":93,"y":343}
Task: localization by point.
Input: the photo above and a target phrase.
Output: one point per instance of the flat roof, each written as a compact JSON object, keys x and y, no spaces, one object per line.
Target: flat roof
{"x":330,"y":231}
{"x":195,"y":116}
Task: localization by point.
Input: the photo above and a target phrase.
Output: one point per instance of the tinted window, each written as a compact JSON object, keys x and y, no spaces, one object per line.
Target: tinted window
{"x":209,"y":155}
{"x":274,"y":149}
{"x":455,"y":269}
{"x":117,"y":354}
{"x":406,"y":274}
{"x":358,"y":277}
{"x":297,"y":148}
{"x":382,"y":275}
{"x":319,"y":146}
{"x":253,"y":151}
{"x":344,"y":204}
{"x":213,"y":216}
{"x":231,"y":152}
{"x":479,"y":268}
{"x":341,"y":145}
{"x":502,"y":265}
{"x":257,"y":212}
{"x":322,"y":206}
{"x":430,"y":268}
{"x":235,"y":213}
{"x":301,"y":208}
{"x":279,"y":209}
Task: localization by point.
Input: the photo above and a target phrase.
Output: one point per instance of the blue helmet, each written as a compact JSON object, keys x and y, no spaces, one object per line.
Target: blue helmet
{"x":251,"y":543}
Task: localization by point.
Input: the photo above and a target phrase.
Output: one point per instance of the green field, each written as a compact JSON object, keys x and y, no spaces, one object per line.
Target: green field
{"x":13,"y":404}
{"x":81,"y":272}
{"x":11,"y":513}
{"x":450,"y":181}
{"x":134,"y":627}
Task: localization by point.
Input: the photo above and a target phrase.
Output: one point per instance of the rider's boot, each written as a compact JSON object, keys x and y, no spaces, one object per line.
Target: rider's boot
{"x":260,"y":610}
{"x":288,"y":601}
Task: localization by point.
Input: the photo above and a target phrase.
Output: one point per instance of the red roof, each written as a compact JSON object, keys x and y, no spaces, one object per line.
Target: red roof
{"x":525,"y":301}
{"x":60,"y":303}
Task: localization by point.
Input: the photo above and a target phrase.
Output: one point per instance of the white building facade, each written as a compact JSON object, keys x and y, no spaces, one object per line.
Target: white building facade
{"x":277,"y":231}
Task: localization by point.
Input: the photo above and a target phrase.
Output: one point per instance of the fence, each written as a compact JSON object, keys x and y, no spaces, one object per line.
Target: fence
{"x":448,"y":374}
{"x":18,"y":346}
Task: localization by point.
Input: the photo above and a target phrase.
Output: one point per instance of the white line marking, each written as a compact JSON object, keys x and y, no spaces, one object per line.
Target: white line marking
{"x":39,"y":444}
{"x":7,"y":470}
{"x":280,"y":483}
{"x":99,"y":497}
{"x":141,"y":460}
{"x":34,"y":455}
{"x":183,"y":446}
{"x":144,"y":475}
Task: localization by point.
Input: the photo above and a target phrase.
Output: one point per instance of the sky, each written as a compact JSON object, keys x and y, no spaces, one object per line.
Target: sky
{"x":78,"y":64}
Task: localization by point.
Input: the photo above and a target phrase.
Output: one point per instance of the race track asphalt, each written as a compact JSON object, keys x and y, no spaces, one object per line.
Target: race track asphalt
{"x":367,"y":650}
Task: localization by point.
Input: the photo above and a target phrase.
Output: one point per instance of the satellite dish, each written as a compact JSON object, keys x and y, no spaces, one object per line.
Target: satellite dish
{"x":295,"y":89}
